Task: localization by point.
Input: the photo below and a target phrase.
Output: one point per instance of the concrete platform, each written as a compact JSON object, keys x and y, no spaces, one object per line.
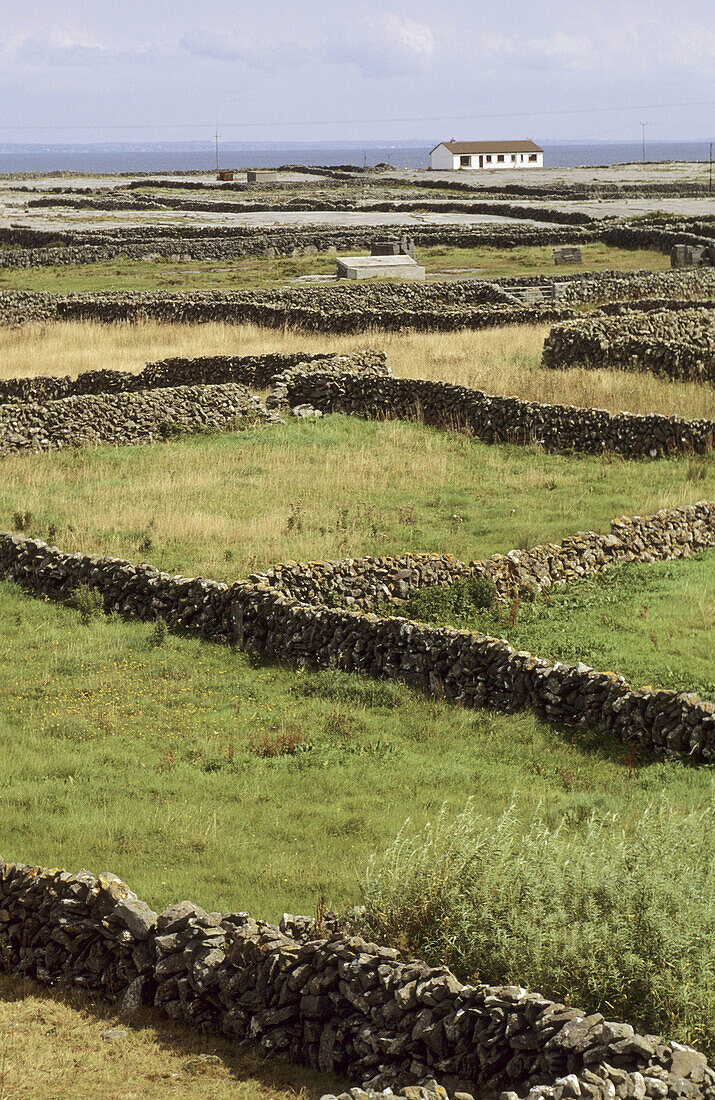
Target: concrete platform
{"x":379,"y":267}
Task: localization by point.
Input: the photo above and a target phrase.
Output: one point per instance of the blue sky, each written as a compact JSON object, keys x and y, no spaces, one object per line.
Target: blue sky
{"x":116,"y":70}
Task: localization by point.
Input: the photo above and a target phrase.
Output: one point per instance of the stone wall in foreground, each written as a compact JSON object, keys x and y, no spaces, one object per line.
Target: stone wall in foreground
{"x":472,"y":668}
{"x":676,"y":344}
{"x":494,"y":419}
{"x":327,"y":999}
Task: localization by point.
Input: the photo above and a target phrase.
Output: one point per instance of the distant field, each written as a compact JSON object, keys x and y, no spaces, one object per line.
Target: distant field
{"x":500,"y":361}
{"x":259,"y":273}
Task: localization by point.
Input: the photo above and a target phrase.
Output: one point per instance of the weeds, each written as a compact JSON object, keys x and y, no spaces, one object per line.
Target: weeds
{"x":89,"y":602}
{"x":616,"y":915}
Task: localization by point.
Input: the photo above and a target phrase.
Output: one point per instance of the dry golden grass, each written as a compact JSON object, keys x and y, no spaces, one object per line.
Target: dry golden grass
{"x":51,"y":1048}
{"x":500,"y":361}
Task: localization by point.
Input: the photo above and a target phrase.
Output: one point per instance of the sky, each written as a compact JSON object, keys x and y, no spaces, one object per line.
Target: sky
{"x":325,"y":70}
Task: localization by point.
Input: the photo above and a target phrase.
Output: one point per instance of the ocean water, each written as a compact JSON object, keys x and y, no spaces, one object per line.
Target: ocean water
{"x":177,"y":158}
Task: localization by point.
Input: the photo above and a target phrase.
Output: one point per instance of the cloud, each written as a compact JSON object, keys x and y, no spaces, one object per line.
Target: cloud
{"x":388,"y":46}
{"x":60,"y":46}
{"x":245,"y":48}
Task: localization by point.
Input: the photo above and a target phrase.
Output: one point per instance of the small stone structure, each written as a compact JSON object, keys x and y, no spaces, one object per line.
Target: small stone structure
{"x":404,"y":246}
{"x":692,"y":255}
{"x":261,"y":175}
{"x":567,"y":255}
{"x":379,"y":267}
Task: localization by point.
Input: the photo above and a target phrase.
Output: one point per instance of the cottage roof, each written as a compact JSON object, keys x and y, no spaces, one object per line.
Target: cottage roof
{"x":460,"y":147}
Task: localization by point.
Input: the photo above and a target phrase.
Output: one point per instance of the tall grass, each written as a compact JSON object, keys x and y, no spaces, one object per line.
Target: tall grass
{"x":501,"y":361}
{"x":615,"y":914}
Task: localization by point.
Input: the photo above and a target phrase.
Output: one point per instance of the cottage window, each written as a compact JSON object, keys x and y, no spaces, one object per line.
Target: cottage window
{"x":532,"y":156}
{"x":500,"y":158}
{"x":513,"y":157}
{"x":489,"y":158}
{"x":465,"y":162}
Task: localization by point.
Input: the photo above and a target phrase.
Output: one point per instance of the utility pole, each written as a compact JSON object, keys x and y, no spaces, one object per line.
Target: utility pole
{"x":710,"y":185}
{"x":217,"y":150}
{"x":643,"y":126}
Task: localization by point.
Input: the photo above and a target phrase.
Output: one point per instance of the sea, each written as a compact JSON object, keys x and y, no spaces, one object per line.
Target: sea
{"x":201,"y":156}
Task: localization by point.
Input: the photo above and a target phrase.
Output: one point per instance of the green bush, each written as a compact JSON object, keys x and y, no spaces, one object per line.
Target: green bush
{"x":88,"y":601}
{"x":456,"y":603}
{"x":611,"y":915}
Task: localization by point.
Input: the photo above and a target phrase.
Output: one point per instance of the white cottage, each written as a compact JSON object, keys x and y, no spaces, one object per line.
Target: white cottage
{"x":451,"y":155}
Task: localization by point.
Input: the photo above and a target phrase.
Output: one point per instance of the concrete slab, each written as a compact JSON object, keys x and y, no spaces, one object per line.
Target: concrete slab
{"x":379,"y":267}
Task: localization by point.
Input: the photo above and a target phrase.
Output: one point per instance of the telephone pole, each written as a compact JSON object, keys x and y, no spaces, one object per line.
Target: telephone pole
{"x":643,"y":126}
{"x":217,"y":150}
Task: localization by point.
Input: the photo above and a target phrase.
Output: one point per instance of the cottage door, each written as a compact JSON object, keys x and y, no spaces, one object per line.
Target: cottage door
{"x":481,"y":161}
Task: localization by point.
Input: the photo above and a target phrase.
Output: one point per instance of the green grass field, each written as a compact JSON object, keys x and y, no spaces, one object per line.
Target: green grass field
{"x":260,"y":273}
{"x":225,"y":505}
{"x":654,"y":624}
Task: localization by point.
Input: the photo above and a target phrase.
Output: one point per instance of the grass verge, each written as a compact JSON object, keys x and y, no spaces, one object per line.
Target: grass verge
{"x":51,"y":1048}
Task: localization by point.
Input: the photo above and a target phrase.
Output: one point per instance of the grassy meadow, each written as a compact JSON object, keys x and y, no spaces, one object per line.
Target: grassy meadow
{"x":199,"y":771}
{"x":226,"y":505}
{"x":500,"y":361}
{"x":257,"y":272}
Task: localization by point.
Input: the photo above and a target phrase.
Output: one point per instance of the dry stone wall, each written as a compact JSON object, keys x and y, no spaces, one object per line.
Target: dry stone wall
{"x":493,"y":419}
{"x":255,"y":371}
{"x":127,"y":418}
{"x":366,"y":583}
{"x":328,"y":998}
{"x":472,"y":668}
{"x":678,"y":344}
{"x":337,"y":310}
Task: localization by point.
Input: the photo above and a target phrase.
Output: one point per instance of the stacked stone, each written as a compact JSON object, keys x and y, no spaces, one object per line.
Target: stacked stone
{"x":190,"y":948}
{"x":443,"y":306}
{"x":256,"y":371}
{"x":127,"y":418}
{"x":93,"y":933}
{"x":367,"y":582}
{"x":494,"y":419}
{"x":679,"y":344}
{"x":134,"y":591}
{"x":333,"y":1001}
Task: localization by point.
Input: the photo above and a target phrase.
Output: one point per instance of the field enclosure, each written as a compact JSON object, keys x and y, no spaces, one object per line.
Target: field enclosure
{"x":250,"y":777}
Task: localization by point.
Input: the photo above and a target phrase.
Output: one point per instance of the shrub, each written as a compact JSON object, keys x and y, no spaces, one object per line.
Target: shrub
{"x":158,"y":634}
{"x":613,"y":917}
{"x":456,"y":602}
{"x":88,"y":601}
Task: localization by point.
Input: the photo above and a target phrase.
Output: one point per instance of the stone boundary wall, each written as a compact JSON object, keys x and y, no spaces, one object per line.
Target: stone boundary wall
{"x":124,"y":419}
{"x":495,"y":419}
{"x":623,"y":286}
{"x":472,"y":668}
{"x":255,"y":371}
{"x":183,"y":242}
{"x":339,"y":310}
{"x":327,"y":998}
{"x":110,"y":200}
{"x":366,"y":583}
{"x":678,"y":344}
